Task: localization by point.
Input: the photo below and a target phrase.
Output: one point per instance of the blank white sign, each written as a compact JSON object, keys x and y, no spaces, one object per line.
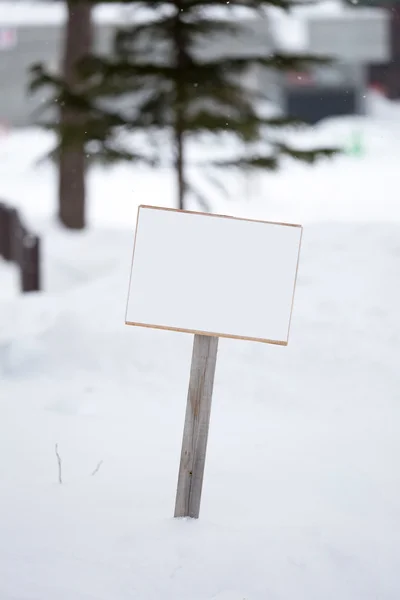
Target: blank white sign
{"x":213,"y":275}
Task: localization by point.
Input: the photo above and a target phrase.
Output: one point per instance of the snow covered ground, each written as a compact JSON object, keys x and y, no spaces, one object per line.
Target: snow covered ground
{"x":300,"y":499}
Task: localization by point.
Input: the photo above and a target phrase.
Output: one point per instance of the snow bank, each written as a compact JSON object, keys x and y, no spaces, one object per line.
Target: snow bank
{"x":300,"y":496}
{"x":301,"y":486}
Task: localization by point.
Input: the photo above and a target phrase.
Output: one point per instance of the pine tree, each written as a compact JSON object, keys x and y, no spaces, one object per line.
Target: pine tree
{"x":158,"y":80}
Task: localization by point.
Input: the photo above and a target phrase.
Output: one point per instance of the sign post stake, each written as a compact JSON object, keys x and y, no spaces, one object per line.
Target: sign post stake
{"x":197,"y":420}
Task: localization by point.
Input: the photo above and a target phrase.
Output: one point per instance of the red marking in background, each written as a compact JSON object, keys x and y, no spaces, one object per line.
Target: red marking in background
{"x":4,"y":128}
{"x":300,"y":78}
{"x":8,"y":38}
{"x":378,"y":87}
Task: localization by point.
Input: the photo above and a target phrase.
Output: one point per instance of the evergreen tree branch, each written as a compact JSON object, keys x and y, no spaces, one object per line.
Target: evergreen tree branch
{"x":269,"y":163}
{"x":139,"y":37}
{"x":275,"y":61}
{"x":307,"y":156}
{"x":253,"y":5}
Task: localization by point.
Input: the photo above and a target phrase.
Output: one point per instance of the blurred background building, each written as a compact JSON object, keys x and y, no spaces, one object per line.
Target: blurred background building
{"x":362,"y":41}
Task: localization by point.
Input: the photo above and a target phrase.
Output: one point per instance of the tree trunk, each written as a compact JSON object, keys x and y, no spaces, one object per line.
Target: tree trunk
{"x":72,"y":161}
{"x":393,"y":75}
{"x":179,"y":165}
{"x":180,"y":107}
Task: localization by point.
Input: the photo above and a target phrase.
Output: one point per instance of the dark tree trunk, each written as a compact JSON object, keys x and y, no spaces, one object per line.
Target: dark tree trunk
{"x":180,"y":108}
{"x":179,"y":166}
{"x":72,"y":162}
{"x":393,"y":74}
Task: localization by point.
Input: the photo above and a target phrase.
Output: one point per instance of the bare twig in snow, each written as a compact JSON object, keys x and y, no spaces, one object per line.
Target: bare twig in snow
{"x":97,"y":468}
{"x":59,"y":465}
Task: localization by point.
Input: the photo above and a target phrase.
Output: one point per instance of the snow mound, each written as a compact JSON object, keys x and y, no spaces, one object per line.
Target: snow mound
{"x":300,"y":489}
{"x":300,"y":497}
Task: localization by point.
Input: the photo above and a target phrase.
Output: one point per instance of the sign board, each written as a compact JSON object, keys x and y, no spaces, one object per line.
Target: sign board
{"x":213,"y":275}
{"x":357,"y":35}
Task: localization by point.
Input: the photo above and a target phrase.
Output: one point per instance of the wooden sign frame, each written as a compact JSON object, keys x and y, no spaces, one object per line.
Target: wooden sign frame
{"x":207,"y":333}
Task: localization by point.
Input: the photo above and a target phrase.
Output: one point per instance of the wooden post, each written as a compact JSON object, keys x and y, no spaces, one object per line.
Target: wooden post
{"x":7,"y":228}
{"x":3,"y":232}
{"x":17,"y":236}
{"x":30,"y":264}
{"x":195,"y":434}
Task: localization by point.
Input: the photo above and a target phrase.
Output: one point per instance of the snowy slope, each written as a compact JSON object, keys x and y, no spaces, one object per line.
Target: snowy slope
{"x":300,"y":497}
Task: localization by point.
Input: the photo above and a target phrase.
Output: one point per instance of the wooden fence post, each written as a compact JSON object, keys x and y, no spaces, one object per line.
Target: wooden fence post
{"x":195,"y":434}
{"x":7,"y":233}
{"x":17,"y":233}
{"x":2,"y":229}
{"x":30,"y":272}
{"x":21,"y":247}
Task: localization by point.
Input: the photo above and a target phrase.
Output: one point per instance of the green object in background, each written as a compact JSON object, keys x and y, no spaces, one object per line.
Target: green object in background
{"x":356,"y":146}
